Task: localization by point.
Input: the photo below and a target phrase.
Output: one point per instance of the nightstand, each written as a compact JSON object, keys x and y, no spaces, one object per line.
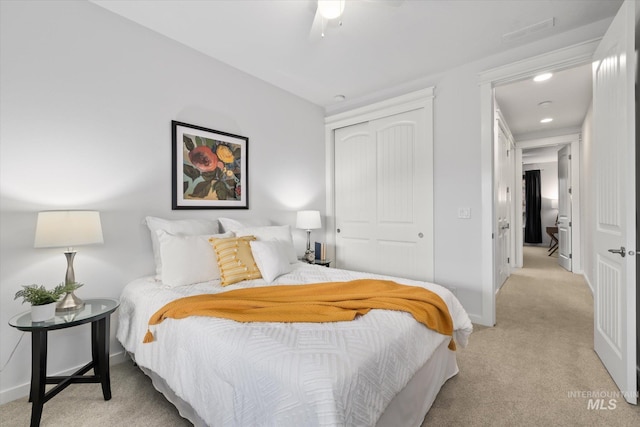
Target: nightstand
{"x":322,"y":262}
{"x":98,"y":313}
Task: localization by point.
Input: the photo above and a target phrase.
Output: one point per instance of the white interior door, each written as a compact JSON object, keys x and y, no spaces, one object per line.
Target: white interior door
{"x":564,"y":208}
{"x":503,"y":203}
{"x":384,"y":205}
{"x":615,"y":231}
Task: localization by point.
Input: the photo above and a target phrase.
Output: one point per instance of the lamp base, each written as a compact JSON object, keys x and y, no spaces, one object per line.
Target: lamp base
{"x":69,"y":303}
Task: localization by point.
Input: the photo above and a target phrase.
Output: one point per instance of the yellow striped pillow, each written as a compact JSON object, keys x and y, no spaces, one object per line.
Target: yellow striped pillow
{"x":235,"y":259}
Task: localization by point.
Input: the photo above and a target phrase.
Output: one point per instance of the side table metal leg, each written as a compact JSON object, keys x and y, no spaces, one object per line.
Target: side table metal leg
{"x":38,"y":374}
{"x":100,"y":336}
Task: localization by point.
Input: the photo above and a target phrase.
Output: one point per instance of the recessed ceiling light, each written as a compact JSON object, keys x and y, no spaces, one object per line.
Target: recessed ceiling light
{"x":546,"y":120}
{"x":331,"y":9}
{"x":339,"y":98}
{"x":544,"y":104}
{"x":542,"y":77}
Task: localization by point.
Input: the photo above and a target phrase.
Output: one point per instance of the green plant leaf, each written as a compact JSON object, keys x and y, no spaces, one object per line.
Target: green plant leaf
{"x":190,"y":171}
{"x":221,"y":190}
{"x":63,"y":288}
{"x":188,"y":142}
{"x":39,"y":295}
{"x":202,"y":189}
{"x":211,"y":175}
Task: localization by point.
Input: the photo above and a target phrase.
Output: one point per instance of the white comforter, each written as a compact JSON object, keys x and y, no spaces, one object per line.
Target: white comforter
{"x":282,"y":374}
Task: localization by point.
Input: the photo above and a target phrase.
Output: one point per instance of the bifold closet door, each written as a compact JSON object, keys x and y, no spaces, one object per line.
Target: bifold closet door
{"x":383,"y":196}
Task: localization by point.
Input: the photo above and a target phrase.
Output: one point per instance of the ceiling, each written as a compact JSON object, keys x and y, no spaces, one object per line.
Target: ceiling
{"x":540,"y":155}
{"x":271,"y":39}
{"x":565,"y":98}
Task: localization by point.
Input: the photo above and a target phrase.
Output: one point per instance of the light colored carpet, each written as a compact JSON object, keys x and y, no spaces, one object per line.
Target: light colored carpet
{"x":520,"y":373}
{"x":134,"y":403}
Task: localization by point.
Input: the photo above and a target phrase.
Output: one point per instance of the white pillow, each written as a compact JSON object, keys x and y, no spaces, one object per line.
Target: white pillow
{"x":271,"y":258}
{"x":281,"y":233}
{"x":183,"y":227}
{"x":233,"y":225}
{"x":188,"y":259}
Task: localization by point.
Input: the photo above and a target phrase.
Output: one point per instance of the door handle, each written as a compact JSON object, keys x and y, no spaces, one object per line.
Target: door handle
{"x":622,"y":251}
{"x":505,"y":227}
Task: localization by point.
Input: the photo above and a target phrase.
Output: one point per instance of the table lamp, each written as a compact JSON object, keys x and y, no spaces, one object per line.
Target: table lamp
{"x":308,"y":220}
{"x":56,"y":229}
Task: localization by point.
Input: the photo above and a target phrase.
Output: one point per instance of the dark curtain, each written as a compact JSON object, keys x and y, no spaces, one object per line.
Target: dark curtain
{"x":533,"y":200}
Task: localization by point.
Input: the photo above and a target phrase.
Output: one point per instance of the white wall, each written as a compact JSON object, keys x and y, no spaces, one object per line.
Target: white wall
{"x":548,"y":191}
{"x":86,"y":109}
{"x":87,"y":100}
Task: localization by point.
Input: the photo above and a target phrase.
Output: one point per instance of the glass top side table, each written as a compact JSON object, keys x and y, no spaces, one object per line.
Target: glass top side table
{"x":98,"y":313}
{"x":92,"y":308}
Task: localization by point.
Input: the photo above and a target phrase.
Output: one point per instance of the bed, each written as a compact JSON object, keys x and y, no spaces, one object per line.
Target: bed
{"x":381,"y":369}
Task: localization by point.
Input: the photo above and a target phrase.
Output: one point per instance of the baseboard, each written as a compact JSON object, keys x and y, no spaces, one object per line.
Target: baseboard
{"x":586,"y":279}
{"x":477,"y":319}
{"x":21,"y":391}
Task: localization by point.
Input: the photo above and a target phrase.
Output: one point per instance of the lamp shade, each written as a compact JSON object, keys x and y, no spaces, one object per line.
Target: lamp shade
{"x":67,"y":228}
{"x":308,"y":220}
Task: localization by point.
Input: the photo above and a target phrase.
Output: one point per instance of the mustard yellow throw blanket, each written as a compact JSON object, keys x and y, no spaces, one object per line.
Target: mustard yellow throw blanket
{"x":321,"y":302}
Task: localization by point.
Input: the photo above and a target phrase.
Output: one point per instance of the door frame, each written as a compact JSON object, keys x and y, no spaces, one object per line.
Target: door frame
{"x":560,"y":59}
{"x":573,"y":140}
{"x":411,"y":101}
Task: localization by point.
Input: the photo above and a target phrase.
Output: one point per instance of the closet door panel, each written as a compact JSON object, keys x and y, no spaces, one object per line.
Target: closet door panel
{"x":355,"y":182}
{"x":395,"y":173}
{"x":403,"y":210}
{"x":384,"y":202}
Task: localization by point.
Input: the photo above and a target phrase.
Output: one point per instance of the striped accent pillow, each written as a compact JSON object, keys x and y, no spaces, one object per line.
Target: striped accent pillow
{"x":235,"y":259}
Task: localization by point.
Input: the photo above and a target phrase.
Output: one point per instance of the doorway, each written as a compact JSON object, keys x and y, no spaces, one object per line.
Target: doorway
{"x":546,"y":117}
{"x":563,"y":59}
{"x":543,"y":154}
{"x":610,"y":118}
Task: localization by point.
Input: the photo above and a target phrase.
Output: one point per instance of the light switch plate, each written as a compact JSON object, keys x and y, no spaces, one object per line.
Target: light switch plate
{"x":464,"y":213}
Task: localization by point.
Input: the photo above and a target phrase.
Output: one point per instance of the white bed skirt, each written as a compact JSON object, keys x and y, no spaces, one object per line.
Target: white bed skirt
{"x":408,"y":407}
{"x":412,"y":403}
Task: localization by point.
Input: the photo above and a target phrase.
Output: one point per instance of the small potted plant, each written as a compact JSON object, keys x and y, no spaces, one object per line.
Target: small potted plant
{"x":43,"y":301}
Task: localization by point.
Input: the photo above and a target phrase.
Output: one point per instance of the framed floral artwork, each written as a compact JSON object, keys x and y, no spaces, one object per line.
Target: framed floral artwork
{"x":209,"y":168}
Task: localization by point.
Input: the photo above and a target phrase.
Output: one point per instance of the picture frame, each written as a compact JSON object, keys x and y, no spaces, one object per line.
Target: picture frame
{"x":209,"y":168}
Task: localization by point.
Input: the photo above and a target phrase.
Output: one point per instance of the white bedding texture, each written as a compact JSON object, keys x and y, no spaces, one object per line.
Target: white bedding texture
{"x":283,"y":374}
